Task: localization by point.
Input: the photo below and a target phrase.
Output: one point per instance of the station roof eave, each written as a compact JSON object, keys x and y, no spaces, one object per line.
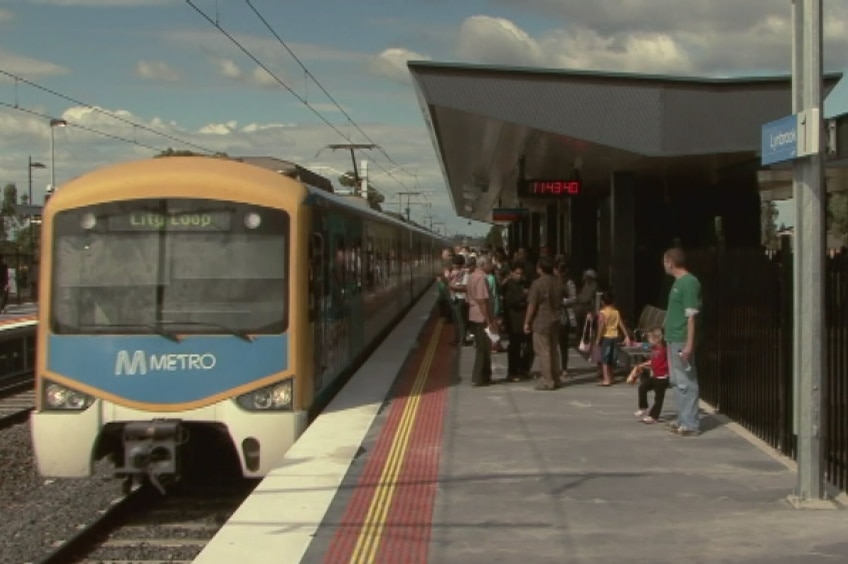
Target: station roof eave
{"x":483,"y":119}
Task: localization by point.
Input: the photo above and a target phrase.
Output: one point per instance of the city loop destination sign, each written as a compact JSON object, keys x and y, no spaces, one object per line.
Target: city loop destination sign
{"x":181,"y":221}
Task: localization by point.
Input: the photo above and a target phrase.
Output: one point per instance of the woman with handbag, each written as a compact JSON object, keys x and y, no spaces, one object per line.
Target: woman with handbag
{"x":568,"y":323}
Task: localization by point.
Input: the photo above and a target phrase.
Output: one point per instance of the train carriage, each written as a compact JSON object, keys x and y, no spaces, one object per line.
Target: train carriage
{"x":193,"y":304}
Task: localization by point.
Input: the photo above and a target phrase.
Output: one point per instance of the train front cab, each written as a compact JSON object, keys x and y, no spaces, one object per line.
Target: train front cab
{"x":132,"y":396}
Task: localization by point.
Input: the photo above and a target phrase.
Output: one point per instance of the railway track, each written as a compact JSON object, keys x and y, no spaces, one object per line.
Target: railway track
{"x":146,"y":527}
{"x":17,"y":399}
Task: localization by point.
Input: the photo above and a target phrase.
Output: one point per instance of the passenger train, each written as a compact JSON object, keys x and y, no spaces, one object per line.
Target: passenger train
{"x":198,"y":303}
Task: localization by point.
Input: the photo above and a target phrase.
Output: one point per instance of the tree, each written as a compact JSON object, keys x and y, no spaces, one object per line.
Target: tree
{"x":837,"y":215}
{"x":375,"y":197}
{"x":8,"y":213}
{"x":768,"y":224}
{"x":29,"y":240}
{"x":494,"y":239}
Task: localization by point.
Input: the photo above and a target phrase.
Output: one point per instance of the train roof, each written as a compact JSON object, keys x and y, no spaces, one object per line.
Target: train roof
{"x":290,"y":169}
{"x":316,"y":196}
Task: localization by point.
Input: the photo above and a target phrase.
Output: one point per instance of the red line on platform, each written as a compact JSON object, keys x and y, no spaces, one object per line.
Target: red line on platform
{"x":406,"y":534}
{"x":350,"y":528}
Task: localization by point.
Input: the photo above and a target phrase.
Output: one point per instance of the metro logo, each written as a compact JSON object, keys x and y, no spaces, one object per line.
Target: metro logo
{"x":140,"y":363}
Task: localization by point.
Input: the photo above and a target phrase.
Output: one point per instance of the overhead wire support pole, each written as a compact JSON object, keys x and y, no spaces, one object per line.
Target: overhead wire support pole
{"x":408,"y":199}
{"x":809,"y":194}
{"x":352,"y":147}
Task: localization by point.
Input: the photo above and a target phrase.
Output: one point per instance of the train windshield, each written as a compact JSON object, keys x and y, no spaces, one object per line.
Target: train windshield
{"x":176,"y":266}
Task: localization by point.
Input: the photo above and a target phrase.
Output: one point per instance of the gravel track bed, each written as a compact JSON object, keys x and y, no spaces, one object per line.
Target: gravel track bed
{"x":39,"y":513}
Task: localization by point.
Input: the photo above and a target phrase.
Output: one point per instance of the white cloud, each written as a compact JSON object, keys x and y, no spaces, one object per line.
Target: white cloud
{"x":263,"y":78}
{"x":228,"y":68}
{"x":258,"y":77}
{"x":723,"y":37}
{"x":489,"y":40}
{"x":496,"y":40}
{"x":104,"y":3}
{"x":79,"y":151}
{"x":391,"y":63}
{"x":156,"y":70}
{"x":27,"y":66}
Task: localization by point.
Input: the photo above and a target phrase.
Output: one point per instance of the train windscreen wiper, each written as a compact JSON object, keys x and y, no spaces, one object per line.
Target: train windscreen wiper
{"x":155,"y":327}
{"x":243,"y":335}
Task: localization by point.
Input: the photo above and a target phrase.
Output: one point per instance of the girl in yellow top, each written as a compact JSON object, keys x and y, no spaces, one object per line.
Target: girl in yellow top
{"x":610,"y":329}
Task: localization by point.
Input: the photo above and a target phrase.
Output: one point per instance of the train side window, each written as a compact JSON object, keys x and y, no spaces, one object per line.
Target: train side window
{"x":369,"y":264}
{"x":356,"y":265}
{"x":339,"y":265}
{"x":316,"y":273}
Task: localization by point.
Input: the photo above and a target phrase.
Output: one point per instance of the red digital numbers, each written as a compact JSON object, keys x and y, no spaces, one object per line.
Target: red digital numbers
{"x":555,"y":188}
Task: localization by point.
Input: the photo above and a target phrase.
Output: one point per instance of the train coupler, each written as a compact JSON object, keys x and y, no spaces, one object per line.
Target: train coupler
{"x":150,"y":449}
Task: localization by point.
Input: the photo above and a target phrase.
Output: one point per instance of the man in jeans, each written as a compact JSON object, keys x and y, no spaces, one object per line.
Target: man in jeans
{"x":684,"y":304}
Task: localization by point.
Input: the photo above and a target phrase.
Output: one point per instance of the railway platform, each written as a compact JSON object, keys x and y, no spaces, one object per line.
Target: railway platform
{"x":449,"y":473}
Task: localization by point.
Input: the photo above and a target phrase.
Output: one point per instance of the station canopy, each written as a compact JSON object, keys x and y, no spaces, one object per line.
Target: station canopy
{"x":484,"y":119}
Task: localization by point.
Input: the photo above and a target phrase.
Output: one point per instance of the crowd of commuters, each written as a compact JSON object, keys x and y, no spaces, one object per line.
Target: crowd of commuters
{"x":538,"y":308}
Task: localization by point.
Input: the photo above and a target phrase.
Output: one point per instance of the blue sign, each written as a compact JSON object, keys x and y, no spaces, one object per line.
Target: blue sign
{"x":154,"y":370}
{"x":780,"y":140}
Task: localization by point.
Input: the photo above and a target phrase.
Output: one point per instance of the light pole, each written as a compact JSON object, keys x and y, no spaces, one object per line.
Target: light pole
{"x":54,"y":123}
{"x":31,"y":165}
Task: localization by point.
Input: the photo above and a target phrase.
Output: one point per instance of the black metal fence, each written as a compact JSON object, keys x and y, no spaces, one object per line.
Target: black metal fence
{"x":745,"y":360}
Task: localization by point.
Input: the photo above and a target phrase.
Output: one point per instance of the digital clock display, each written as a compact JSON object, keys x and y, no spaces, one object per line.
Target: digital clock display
{"x":549,"y":188}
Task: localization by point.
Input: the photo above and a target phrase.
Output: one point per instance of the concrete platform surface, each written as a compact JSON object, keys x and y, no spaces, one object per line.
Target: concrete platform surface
{"x":277,"y":523}
{"x":571,"y":476}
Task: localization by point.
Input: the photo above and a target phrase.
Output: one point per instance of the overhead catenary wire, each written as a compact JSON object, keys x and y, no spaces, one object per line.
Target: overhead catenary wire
{"x":114,"y":116}
{"x":80,"y":126}
{"x":329,"y":96}
{"x":316,"y":81}
{"x":216,"y":24}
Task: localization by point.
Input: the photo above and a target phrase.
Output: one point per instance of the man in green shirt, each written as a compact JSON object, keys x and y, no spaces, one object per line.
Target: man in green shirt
{"x":684,"y":304}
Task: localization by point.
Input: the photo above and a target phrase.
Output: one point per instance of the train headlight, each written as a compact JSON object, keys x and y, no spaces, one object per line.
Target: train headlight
{"x":252,"y":220}
{"x":88,"y":221}
{"x":62,"y":398}
{"x":276,"y":397}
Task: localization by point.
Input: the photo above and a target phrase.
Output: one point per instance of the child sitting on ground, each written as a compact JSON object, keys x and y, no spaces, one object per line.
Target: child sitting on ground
{"x":656,"y":381}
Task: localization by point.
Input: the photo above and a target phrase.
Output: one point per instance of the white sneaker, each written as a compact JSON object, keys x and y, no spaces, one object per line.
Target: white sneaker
{"x":641,"y":413}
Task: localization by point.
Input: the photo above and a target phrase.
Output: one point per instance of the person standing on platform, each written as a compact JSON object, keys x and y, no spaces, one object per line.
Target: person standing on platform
{"x":457,"y":281}
{"x":684,"y":304}
{"x":569,"y":319}
{"x":584,"y":305}
{"x":480,"y":318}
{"x":519,"y":352}
{"x":544,"y":305}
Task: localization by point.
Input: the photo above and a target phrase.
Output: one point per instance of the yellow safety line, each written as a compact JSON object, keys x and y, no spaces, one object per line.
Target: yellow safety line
{"x":369,"y":537}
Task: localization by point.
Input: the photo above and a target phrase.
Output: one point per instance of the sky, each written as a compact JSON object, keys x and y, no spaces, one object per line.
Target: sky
{"x":133,"y":77}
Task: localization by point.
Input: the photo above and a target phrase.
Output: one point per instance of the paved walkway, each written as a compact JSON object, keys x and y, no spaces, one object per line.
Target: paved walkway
{"x":572,"y":476}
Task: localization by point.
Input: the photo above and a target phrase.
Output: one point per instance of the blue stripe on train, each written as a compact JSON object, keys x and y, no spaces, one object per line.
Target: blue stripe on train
{"x":152,"y":369}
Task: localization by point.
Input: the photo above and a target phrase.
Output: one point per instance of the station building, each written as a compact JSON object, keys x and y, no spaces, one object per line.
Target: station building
{"x":610,"y":169}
